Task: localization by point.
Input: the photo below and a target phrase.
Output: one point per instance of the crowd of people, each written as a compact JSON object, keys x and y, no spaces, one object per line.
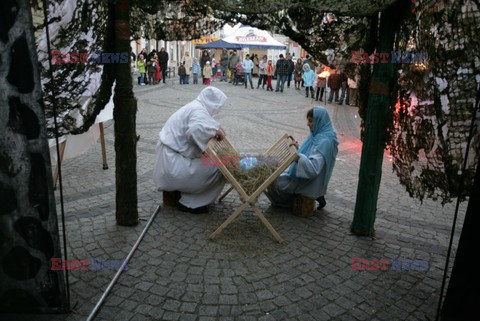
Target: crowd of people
{"x":152,"y":67}
{"x":304,"y":73}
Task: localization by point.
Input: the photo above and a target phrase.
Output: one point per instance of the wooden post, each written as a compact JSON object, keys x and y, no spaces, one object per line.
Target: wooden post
{"x":59,"y":162}
{"x":376,"y":127}
{"x":102,"y":143}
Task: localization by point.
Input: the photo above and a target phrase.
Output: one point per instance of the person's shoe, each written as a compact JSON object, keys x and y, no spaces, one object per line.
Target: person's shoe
{"x":275,"y":90}
{"x":321,"y":202}
{"x":197,"y":210}
{"x":281,"y":90}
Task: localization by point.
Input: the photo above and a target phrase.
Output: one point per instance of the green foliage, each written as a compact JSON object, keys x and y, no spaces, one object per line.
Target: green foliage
{"x":436,"y":102}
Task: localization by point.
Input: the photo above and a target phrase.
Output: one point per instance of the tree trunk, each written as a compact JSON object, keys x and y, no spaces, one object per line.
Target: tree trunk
{"x":375,"y":127}
{"x":124,"y":115}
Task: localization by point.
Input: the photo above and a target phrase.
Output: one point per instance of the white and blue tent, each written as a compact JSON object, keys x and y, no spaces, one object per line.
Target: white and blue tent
{"x":246,"y":37}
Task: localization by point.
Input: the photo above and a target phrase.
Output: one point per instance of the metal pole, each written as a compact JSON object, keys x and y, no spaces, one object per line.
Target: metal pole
{"x":117,"y":275}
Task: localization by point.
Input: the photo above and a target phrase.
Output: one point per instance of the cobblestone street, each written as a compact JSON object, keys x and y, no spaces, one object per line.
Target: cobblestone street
{"x":177,"y":273}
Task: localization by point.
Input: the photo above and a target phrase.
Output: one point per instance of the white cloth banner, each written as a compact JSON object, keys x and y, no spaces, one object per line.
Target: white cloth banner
{"x":79,"y":144}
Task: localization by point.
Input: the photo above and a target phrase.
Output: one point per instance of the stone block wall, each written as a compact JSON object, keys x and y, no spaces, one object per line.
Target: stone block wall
{"x":29,"y":235}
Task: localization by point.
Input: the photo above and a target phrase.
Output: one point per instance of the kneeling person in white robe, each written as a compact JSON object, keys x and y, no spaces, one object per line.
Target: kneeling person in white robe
{"x":178,"y":163}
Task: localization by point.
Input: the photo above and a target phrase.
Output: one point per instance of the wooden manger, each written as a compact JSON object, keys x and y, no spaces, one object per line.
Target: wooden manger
{"x":283,"y":152}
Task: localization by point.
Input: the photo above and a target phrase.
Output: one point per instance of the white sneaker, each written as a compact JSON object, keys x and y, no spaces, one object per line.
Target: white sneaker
{"x":142,"y":84}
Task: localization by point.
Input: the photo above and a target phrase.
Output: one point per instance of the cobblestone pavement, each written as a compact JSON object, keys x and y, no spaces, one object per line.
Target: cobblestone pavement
{"x":179,"y":274}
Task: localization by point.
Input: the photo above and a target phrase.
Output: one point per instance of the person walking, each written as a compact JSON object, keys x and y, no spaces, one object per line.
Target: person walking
{"x":247,"y":66}
{"x":232,"y":64}
{"x":281,"y":69}
{"x":163,"y":60}
{"x":262,"y":72}
{"x":224,"y":65}
{"x":187,"y":62}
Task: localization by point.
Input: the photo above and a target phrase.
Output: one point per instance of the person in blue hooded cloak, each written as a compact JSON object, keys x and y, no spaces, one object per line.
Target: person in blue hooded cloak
{"x":309,"y":176}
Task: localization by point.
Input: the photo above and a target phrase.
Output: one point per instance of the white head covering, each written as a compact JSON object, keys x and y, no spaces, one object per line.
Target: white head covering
{"x":212,"y":99}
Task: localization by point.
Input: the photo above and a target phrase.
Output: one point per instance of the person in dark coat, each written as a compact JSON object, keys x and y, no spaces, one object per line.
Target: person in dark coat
{"x":281,"y":69}
{"x":291,"y":67}
{"x":334,"y":83}
{"x":203,"y":59}
{"x":151,"y":67}
{"x":224,"y":65}
{"x":163,"y":60}
{"x":232,"y":64}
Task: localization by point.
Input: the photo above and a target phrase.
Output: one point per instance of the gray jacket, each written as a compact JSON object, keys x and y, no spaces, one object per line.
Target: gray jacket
{"x":224,"y":59}
{"x":233,"y":61}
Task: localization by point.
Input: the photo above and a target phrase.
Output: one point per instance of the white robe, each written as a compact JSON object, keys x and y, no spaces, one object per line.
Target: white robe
{"x":178,"y":163}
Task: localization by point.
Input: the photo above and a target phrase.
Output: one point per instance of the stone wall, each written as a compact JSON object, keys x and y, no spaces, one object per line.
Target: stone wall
{"x":29,"y":235}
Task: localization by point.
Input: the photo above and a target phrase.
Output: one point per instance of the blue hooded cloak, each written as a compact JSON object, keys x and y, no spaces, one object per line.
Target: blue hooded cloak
{"x":324,"y":139}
